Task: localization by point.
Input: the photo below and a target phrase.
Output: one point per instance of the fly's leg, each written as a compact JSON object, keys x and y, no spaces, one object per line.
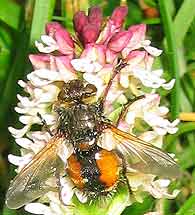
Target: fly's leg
{"x":121,"y":64}
{"x":124,"y":171}
{"x":44,"y":124}
{"x":125,"y":108}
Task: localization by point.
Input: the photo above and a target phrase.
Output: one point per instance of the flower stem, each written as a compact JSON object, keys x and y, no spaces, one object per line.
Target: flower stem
{"x":172,"y":55}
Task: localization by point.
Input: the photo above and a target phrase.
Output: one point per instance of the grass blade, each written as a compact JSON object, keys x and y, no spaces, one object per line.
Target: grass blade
{"x":183,"y":19}
{"x":43,"y":11}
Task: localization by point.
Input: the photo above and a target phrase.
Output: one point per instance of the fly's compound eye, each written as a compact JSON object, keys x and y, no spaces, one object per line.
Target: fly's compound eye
{"x":89,"y":90}
{"x":63,"y":95}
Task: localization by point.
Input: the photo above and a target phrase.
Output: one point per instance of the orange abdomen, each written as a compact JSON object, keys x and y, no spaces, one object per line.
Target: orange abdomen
{"x":108,"y":164}
{"x":100,"y":171}
{"x":74,"y":171}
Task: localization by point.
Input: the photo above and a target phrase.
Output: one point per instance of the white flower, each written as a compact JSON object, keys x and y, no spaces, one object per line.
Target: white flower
{"x":49,"y":44}
{"x":149,"y":110}
{"x":86,"y":65}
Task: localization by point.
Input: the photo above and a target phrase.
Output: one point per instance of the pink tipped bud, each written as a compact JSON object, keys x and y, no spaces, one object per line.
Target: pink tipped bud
{"x":118,"y":15}
{"x":62,"y":37}
{"x":80,"y":20}
{"x":90,"y":34}
{"x":138,"y":31}
{"x":95,"y":16}
{"x":40,"y":61}
{"x":119,"y":41}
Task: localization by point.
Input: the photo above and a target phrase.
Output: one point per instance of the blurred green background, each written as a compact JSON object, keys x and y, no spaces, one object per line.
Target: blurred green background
{"x":171,"y":27}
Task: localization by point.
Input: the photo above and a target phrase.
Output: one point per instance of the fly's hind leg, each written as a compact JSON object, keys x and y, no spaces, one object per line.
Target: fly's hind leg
{"x":124,"y":171}
{"x":44,"y":123}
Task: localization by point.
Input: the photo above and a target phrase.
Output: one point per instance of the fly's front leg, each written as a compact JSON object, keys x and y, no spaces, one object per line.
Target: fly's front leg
{"x":125,"y":108}
{"x":121,"y":64}
{"x":44,"y":124}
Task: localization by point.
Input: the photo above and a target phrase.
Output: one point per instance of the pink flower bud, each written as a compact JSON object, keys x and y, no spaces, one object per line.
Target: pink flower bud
{"x":138,"y":32}
{"x":62,"y":37}
{"x":95,"y":16}
{"x":40,"y":61}
{"x":118,"y":15}
{"x":80,"y":20}
{"x":136,"y":55}
{"x":119,"y":41}
{"x":89,"y":34}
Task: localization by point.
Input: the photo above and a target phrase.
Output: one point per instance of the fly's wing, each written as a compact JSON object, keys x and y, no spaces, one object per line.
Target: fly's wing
{"x":142,"y":156}
{"x":30,"y":183}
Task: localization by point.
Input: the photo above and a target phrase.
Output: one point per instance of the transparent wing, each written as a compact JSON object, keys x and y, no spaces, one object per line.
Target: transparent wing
{"x":30,"y":183}
{"x":142,"y":156}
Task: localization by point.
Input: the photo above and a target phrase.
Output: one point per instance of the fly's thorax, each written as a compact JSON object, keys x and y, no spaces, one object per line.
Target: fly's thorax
{"x":79,"y":122}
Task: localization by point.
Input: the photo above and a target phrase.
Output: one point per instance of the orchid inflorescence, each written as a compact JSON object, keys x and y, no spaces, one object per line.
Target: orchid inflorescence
{"x":92,"y":54}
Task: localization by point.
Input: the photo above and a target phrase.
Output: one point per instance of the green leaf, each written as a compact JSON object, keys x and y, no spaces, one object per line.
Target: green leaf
{"x":140,"y":208}
{"x":183,"y":19}
{"x":42,"y":14}
{"x":188,"y":87}
{"x":10,"y":13}
{"x":172,"y":55}
{"x":151,"y":3}
{"x":16,"y":72}
{"x":5,"y":52}
{"x":188,"y":208}
{"x":183,"y":128}
{"x":7,"y":211}
{"x":134,"y":15}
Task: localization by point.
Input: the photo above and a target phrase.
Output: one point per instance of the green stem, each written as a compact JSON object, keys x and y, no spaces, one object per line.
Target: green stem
{"x":172,"y":55}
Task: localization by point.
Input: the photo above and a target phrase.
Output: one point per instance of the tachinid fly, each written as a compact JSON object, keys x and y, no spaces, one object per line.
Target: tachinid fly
{"x":92,"y":168}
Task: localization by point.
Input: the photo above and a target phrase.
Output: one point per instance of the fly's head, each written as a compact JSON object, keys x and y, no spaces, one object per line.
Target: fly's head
{"x":75,"y":91}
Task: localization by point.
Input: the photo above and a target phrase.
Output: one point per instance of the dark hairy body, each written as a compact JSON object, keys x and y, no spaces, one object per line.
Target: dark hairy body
{"x":82,"y":125}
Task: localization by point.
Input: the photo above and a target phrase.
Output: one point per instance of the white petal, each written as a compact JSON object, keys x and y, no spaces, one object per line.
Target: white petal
{"x":20,"y":161}
{"x":124,"y":80}
{"x":17,"y":133}
{"x":163,"y":110}
{"x":24,"y":142}
{"x":81,"y":64}
{"x":153,"y":51}
{"x":81,"y":196}
{"x":66,"y":191}
{"x":158,"y":72}
{"x":130,"y":118}
{"x":29,"y":119}
{"x":22,"y":83}
{"x":64,"y":151}
{"x":25,"y":101}
{"x":169,"y":85}
{"x":48,"y":40}
{"x":163,"y":182}
{"x":38,"y":208}
{"x":107,"y":141}
{"x":45,"y":49}
{"x":146,"y":42}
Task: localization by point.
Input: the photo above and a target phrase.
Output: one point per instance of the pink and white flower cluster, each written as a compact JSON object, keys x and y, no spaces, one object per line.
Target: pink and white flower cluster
{"x":92,"y":54}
